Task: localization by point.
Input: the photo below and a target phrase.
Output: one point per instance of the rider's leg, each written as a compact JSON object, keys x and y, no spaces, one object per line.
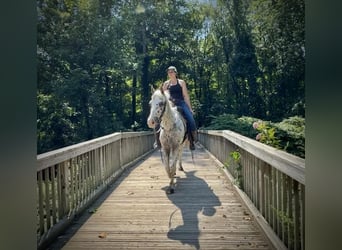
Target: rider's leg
{"x":191,"y":125}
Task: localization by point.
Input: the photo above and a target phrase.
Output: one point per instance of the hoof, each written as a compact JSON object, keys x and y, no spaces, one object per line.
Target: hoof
{"x":170,"y":191}
{"x":180,"y":168}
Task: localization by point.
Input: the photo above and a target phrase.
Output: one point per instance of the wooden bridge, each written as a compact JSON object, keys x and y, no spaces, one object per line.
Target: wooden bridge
{"x":109,"y":193}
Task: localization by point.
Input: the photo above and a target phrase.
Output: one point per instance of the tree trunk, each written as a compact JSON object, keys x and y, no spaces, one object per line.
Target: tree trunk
{"x":134,"y":98}
{"x":145,"y":87}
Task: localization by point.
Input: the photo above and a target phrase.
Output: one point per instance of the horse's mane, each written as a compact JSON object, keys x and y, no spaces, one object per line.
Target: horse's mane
{"x":160,"y":92}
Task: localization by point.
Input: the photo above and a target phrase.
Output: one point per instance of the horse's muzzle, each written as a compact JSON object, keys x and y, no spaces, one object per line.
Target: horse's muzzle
{"x":151,"y":123}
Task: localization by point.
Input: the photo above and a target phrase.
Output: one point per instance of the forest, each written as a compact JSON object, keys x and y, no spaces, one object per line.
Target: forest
{"x":243,"y":61}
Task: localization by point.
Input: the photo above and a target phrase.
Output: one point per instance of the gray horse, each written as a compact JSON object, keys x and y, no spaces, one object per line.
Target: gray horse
{"x":172,"y":132}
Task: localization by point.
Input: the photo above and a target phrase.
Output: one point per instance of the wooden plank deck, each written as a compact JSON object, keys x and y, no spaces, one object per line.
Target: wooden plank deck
{"x":205,"y":211}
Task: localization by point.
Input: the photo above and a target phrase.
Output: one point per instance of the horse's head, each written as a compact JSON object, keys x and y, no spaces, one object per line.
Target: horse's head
{"x":157,"y":105}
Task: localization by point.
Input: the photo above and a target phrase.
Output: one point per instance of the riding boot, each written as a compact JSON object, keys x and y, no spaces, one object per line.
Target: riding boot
{"x":194,"y":135}
{"x":192,"y":139}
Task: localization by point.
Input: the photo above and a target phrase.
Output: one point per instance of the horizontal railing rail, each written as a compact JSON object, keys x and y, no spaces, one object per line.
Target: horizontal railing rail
{"x":272,"y":180}
{"x":71,"y":178}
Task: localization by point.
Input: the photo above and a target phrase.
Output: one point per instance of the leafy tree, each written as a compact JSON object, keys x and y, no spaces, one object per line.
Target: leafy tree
{"x":279,"y":37}
{"x":98,"y":59}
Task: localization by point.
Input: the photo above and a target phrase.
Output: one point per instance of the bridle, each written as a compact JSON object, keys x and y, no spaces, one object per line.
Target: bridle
{"x":159,"y":119}
{"x":163,"y":104}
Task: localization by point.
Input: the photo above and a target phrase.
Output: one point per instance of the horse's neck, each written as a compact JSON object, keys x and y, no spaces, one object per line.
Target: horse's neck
{"x":169,"y":117}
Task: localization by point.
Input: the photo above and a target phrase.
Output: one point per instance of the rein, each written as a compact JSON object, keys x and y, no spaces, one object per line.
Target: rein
{"x":159,"y":122}
{"x":163,"y":111}
{"x":155,"y":135}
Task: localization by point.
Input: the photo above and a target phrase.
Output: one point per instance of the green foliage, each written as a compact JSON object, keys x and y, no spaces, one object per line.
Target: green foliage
{"x":288,"y":135}
{"x":266,"y":134}
{"x":283,"y":217}
{"x":287,"y":220}
{"x":231,"y":122}
{"x":234,"y":166}
{"x":55,"y":123}
{"x":236,"y":156}
{"x":81,"y":89}
{"x":97,"y":59}
{"x":279,"y":34}
{"x":291,"y":133}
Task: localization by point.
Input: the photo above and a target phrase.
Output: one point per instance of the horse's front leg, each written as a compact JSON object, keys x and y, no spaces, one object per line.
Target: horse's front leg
{"x":172,"y":169}
{"x":166,"y":159}
{"x":169,"y":170}
{"x":171,"y":188}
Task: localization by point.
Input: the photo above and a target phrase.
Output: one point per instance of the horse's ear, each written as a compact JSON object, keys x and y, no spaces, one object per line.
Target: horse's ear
{"x":152,"y":89}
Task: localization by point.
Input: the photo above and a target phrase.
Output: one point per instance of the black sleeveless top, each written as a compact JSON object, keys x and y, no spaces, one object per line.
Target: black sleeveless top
{"x":176,"y":92}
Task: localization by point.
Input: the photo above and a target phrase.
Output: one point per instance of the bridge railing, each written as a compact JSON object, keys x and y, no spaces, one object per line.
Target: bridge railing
{"x":71,"y":178}
{"x":272,"y":180}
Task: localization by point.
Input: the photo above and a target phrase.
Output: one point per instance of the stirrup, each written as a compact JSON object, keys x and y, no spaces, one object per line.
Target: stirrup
{"x":191,"y":145}
{"x":156,"y":145}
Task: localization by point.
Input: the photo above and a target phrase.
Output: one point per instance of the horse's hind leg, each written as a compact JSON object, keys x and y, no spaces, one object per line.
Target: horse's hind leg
{"x":180,"y":152}
{"x":180,"y":168}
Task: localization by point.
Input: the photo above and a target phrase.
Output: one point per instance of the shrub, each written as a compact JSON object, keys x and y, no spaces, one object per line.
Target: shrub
{"x":291,"y":133}
{"x":266,"y":133}
{"x":231,"y":122}
{"x":288,"y":134}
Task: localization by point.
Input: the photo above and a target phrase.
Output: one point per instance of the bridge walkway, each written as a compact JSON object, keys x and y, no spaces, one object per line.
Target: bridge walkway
{"x":205,"y":212}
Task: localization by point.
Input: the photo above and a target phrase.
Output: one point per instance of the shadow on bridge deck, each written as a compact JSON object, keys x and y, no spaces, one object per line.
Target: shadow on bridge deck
{"x":204,"y":212}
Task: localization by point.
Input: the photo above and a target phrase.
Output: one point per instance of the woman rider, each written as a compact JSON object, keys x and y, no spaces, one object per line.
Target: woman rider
{"x":180,"y":97}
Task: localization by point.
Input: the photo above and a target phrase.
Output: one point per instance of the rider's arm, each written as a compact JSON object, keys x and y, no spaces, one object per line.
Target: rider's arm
{"x":164,"y":86}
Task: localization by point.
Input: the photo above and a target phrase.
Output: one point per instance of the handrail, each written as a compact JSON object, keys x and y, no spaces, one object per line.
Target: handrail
{"x":71,"y":178}
{"x":271,"y":180}
{"x":288,"y":164}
